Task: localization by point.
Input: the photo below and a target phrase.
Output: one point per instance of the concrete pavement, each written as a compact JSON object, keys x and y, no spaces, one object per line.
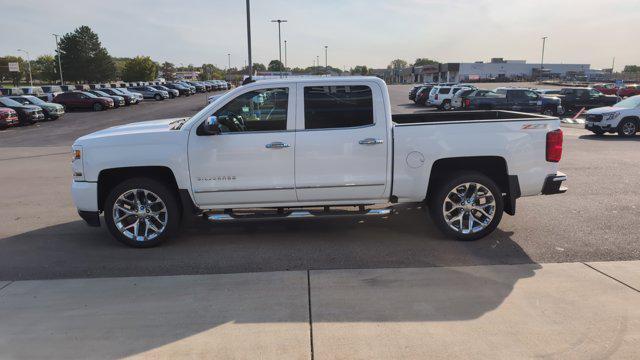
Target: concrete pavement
{"x":568,"y":310}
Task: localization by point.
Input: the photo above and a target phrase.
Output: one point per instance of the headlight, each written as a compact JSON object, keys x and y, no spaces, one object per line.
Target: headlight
{"x":77,"y":165}
{"x":610,"y":116}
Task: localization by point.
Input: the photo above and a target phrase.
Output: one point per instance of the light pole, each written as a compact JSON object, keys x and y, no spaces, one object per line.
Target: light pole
{"x":544,"y":40}
{"x":279,"y":21}
{"x":326,"y":66}
{"x":229,"y":62}
{"x":285,"y":55}
{"x":29,"y":64}
{"x":249,"y":38}
{"x":317,"y":62}
{"x":59,"y":60}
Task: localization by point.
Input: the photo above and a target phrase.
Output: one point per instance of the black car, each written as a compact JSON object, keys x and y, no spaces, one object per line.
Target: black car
{"x":117,"y":99}
{"x":518,"y":99}
{"x":413,"y":91}
{"x":199,"y":87}
{"x":182,"y":90}
{"x":27,"y":114}
{"x":129,"y":99}
{"x":574,"y":99}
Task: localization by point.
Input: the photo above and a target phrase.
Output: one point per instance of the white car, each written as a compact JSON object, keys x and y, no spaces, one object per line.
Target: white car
{"x":441,"y":96}
{"x":313,"y":147}
{"x":622,"y":118}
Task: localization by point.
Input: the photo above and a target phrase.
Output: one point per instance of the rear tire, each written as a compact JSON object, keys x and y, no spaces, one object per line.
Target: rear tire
{"x":145,"y":201}
{"x":446,"y":105}
{"x":466,"y":206}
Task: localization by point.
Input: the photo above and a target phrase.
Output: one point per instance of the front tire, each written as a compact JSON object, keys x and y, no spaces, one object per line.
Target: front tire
{"x":627,"y":128}
{"x":97,"y":107}
{"x":446,"y":105}
{"x":158,"y":97}
{"x":141,"y":212}
{"x":549,"y":111}
{"x":466,"y":206}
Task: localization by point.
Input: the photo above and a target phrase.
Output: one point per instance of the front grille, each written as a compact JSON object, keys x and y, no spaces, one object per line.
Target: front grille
{"x":594,"y":118}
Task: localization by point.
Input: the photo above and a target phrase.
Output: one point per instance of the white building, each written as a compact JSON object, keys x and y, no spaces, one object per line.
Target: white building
{"x":504,"y":69}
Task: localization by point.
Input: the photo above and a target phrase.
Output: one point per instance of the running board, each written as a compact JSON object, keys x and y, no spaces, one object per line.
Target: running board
{"x":296,"y":214}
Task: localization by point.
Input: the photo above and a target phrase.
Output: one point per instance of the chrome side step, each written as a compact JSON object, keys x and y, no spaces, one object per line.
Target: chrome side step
{"x":296,"y":214}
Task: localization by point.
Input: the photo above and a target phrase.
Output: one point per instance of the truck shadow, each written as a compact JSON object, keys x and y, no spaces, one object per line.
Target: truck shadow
{"x":142,"y":313}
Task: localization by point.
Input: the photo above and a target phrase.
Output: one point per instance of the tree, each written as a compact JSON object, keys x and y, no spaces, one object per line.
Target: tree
{"x":276,"y":65}
{"x":259,"y":67}
{"x":631,"y":69}
{"x":168,"y":71}
{"x":360,"y":70}
{"x":45,"y":68}
{"x":84,"y":58}
{"x":14,"y":77}
{"x":424,"y":61}
{"x":140,"y":68}
{"x":398,"y":64}
{"x":210,"y":71}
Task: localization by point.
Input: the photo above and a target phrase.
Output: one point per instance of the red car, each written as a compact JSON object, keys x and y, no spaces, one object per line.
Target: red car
{"x":607,"y":89}
{"x":629,"y":90}
{"x":8,"y":117}
{"x":83,"y":100}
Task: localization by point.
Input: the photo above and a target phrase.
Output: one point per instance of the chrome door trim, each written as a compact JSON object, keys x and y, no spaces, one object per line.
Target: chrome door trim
{"x":238,"y":189}
{"x":335,"y":186}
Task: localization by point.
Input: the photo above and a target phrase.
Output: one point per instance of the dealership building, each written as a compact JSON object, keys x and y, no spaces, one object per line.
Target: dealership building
{"x":497,"y":69}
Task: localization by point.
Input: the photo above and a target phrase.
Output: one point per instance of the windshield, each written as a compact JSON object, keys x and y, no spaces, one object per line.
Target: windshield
{"x":8,"y":102}
{"x":34,"y":100}
{"x":629,"y":103}
{"x":100,"y":93}
{"x":88,"y":94}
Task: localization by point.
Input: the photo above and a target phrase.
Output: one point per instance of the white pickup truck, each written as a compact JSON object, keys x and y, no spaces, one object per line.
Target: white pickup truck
{"x":298,"y":148}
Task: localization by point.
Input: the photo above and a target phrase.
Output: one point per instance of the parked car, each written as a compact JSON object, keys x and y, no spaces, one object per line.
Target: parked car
{"x":629,"y":90}
{"x":27,"y":114}
{"x":148,"y":92}
{"x":574,"y":99}
{"x":129,"y":99}
{"x":117,"y":99}
{"x":50,"y":110}
{"x":83,"y":100}
{"x":470,"y":166}
{"x":607,"y":89}
{"x":137,"y":95}
{"x":547,"y":91}
{"x":422,"y":95}
{"x":188,"y":85}
{"x":461,"y":98}
{"x":182,"y":90}
{"x":51,"y":91}
{"x":199,"y":87}
{"x":441,"y":96}
{"x":172,"y":92}
{"x":623,"y":118}
{"x":8,"y":117}
{"x":518,"y":99}
{"x":414,"y":91}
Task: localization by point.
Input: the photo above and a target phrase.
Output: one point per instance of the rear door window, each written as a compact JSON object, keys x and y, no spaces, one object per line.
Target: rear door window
{"x":328,"y":107}
{"x":444,"y":90}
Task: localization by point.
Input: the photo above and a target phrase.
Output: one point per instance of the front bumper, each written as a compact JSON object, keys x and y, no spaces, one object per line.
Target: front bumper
{"x":85,"y":195}
{"x":553,"y":184}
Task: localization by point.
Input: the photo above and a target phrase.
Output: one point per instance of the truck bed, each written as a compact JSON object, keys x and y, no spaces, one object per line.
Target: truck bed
{"x":457,"y":116}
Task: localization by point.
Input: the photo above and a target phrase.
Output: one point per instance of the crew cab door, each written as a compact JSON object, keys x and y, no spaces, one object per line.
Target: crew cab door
{"x":342,"y":142}
{"x":251,"y":161}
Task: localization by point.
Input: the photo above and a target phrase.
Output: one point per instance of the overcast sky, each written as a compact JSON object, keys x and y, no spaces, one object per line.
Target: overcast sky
{"x":370,"y":32}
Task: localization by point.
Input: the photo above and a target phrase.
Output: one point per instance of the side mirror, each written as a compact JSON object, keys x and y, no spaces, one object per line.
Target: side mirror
{"x":211,"y":126}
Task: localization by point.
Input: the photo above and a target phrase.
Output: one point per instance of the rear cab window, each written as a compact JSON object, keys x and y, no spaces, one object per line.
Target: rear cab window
{"x":343,"y":106}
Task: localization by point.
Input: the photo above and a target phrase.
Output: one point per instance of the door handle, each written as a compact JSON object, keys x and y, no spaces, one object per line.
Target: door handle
{"x":370,"y":141}
{"x":277,"y":145}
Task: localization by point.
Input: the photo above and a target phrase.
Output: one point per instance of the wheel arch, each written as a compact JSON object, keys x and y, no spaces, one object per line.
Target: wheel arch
{"x":494,"y":167}
{"x":109,"y":178}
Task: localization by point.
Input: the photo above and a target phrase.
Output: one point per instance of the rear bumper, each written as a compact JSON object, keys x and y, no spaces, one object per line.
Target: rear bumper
{"x":553,"y":184}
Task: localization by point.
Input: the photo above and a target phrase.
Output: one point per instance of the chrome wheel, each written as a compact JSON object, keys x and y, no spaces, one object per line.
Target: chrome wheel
{"x":140,"y":215}
{"x":469,"y":208}
{"x":629,"y":128}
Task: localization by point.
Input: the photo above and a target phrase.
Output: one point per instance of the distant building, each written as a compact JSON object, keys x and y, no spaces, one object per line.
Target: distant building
{"x":500,"y":69}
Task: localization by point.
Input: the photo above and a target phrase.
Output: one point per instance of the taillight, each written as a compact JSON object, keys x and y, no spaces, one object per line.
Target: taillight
{"x":5,"y":115}
{"x":554,"y":145}
{"x":436,"y":97}
{"x":467,"y":102}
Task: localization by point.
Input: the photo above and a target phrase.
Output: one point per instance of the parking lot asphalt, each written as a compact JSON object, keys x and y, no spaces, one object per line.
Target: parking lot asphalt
{"x":42,"y":237}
